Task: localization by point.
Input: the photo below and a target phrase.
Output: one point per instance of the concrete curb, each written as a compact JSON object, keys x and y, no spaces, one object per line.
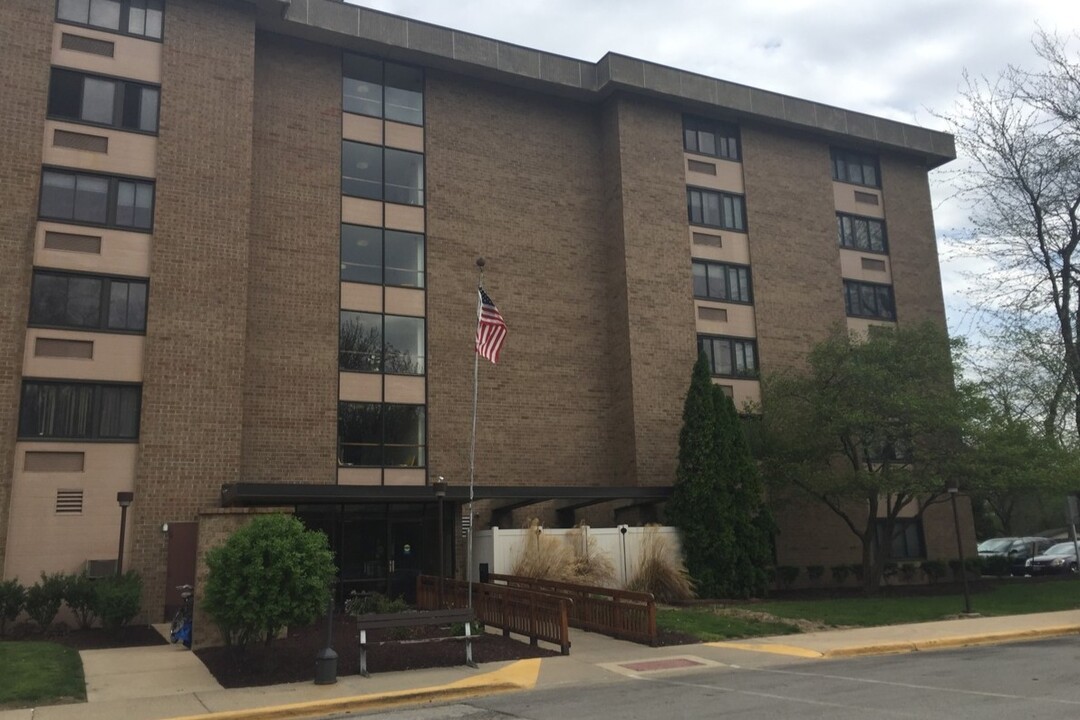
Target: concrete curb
{"x":952,"y":642}
{"x":521,"y":675}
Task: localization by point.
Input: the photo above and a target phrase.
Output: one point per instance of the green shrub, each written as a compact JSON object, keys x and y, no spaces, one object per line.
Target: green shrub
{"x":907,"y":571}
{"x":974,"y":565}
{"x":44,"y":598}
{"x":369,"y":603}
{"x":934,"y":570}
{"x":814,"y":572}
{"x":857,"y":571}
{"x":998,"y":565}
{"x":889,"y":570}
{"x":117,"y":599}
{"x":12,"y":601}
{"x":840,"y":573}
{"x":80,"y":596}
{"x":955,"y":568}
{"x":787,"y":575}
{"x":270,"y":574}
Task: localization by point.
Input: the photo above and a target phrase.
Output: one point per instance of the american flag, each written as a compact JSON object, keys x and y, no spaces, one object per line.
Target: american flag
{"x":490,"y":329}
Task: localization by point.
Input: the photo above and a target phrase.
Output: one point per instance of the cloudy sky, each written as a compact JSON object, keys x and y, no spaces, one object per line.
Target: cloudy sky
{"x":900,"y":59}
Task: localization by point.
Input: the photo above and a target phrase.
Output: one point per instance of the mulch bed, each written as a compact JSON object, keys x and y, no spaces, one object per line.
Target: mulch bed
{"x":92,"y":639}
{"x":292,"y":659}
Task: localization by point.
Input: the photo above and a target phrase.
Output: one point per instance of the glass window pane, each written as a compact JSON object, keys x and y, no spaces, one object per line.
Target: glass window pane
{"x":718,"y":286}
{"x":118,"y":413}
{"x":884,"y":302}
{"x":136,"y":309}
{"x":144,"y":206}
{"x":154,"y":17}
{"x":361,"y":254}
{"x":83,"y":302}
{"x":65,"y":93}
{"x":137,"y":17}
{"x":403,"y":435}
{"x":689,"y":140}
{"x":91,"y":199}
{"x":105,"y":14}
{"x":701,"y":285}
{"x":843,"y":230}
{"x":712,"y":209}
{"x":360,"y":434}
{"x":870,"y":174}
{"x":404,"y":177}
{"x":360,"y":342}
{"x":404,"y":94}
{"x":361,"y":87}
{"x":862,"y":234}
{"x":48,"y":299}
{"x":118,"y":305}
{"x":125,"y":204}
{"x":404,"y":345}
{"x":404,"y":259}
{"x":706,"y":143}
{"x":737,"y":210}
{"x":74,"y":10}
{"x":57,"y":195}
{"x":694,"y":202}
{"x":53,"y":410}
{"x":854,"y":170}
{"x":361,"y":170}
{"x":867,"y":300}
{"x":722,"y":348}
{"x":877,"y":236}
{"x":148,"y":109}
{"x":705,"y":346}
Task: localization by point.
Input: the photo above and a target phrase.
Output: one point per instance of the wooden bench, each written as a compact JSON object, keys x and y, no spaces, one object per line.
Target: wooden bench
{"x":382,"y":621}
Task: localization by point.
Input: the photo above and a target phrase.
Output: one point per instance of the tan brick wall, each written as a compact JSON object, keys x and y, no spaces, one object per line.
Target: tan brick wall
{"x":912,"y":243}
{"x":939,"y":531}
{"x":290,"y":373}
{"x":24,"y":76}
{"x":193,"y":389}
{"x":794,"y":256}
{"x":516,"y":177}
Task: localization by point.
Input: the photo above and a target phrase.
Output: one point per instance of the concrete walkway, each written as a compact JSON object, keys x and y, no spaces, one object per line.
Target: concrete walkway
{"x":168,"y":682}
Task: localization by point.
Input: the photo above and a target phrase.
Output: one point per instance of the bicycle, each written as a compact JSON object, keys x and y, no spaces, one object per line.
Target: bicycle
{"x":181,"y":624}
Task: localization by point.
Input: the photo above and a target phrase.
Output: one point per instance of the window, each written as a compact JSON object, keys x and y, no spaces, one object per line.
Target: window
{"x":888,"y":452}
{"x":716,"y":209}
{"x":102,"y":101}
{"x":907,"y":539}
{"x":87,"y":302}
{"x":729,"y":357}
{"x":710,"y":137}
{"x":96,"y":200}
{"x":870,"y":300}
{"x":719,"y":281}
{"x":391,"y":344}
{"x":381,"y":435}
{"x":131,"y":17}
{"x":861,"y":233}
{"x":79,"y":411}
{"x":372,"y":87}
{"x":377,"y":173}
{"x":855,"y":167}
{"x":382,"y":257}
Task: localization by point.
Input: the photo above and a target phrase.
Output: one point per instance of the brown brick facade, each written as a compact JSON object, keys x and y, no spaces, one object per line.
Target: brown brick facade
{"x":24,"y":76}
{"x":290,"y":372}
{"x":192,"y":403}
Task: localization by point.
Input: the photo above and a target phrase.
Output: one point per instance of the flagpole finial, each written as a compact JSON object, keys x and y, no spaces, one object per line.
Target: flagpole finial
{"x":480,"y":262}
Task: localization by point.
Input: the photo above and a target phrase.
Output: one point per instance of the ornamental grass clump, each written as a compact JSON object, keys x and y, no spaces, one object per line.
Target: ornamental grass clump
{"x":590,"y":565}
{"x":661,"y":570}
{"x":543,"y":557}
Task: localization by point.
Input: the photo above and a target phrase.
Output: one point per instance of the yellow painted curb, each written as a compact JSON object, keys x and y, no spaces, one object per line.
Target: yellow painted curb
{"x":879,"y":649}
{"x":521,"y":675}
{"x":1001,"y":637}
{"x":768,"y":648}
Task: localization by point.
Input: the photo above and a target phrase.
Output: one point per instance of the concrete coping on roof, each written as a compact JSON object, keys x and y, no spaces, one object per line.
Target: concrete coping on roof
{"x":360,"y":28}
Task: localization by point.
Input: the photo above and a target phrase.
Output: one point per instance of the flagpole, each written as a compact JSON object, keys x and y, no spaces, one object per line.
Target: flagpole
{"x":472,"y":447}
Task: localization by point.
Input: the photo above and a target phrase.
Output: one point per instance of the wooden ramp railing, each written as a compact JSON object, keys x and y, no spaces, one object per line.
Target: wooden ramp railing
{"x":618,"y":613}
{"x":536,"y":615}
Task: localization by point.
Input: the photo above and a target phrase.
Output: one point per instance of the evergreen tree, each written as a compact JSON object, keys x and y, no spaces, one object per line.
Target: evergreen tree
{"x":717,"y":501}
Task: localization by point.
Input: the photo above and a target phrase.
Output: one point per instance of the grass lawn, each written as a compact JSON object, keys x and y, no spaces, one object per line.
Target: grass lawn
{"x":710,"y":626}
{"x":1014,"y":598}
{"x":39,"y":673}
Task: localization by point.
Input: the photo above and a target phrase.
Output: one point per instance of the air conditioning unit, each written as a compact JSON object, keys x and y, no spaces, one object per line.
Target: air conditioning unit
{"x":100,"y":568}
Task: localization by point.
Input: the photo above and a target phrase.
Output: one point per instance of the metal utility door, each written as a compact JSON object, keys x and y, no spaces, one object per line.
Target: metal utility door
{"x":180,"y":563}
{"x":405,"y":564}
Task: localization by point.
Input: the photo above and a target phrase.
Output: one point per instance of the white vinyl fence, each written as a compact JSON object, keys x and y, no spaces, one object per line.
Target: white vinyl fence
{"x":500,"y":548}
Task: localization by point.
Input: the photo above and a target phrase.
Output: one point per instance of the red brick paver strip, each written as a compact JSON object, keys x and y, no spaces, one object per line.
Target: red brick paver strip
{"x":668,"y":664}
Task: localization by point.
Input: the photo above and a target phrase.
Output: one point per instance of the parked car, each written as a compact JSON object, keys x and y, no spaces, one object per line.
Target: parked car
{"x":1059,"y":559}
{"x":1017,"y":550}
{"x":995,"y":546}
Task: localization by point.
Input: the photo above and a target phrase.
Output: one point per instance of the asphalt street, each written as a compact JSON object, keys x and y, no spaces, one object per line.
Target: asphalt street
{"x":1033,"y":680}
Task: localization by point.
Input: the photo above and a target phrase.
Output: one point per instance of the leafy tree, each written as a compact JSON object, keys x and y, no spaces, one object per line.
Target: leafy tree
{"x":718,"y":499}
{"x":872,"y":427}
{"x":270,"y":574}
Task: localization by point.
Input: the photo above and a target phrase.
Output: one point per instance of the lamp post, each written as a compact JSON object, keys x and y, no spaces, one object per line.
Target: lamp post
{"x":954,"y":490}
{"x":440,"y":496}
{"x":123,"y":499}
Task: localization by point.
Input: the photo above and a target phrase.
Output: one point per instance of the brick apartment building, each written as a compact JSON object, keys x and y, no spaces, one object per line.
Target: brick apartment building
{"x":237,"y":243}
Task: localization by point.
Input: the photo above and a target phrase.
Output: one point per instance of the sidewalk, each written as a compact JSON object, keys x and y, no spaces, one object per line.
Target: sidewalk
{"x":167,"y":682}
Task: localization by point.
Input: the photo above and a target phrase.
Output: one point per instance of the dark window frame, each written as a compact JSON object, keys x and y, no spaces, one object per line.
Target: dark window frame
{"x":104,"y":301}
{"x":382,"y":257}
{"x":842,"y":158}
{"x":382,"y":444}
{"x":901,"y":528}
{"x":421,"y":191}
{"x":860,"y":284}
{"x":849,"y":243}
{"x":725,"y":131}
{"x":94,"y":435}
{"x":734,"y":341}
{"x":382,"y":85}
{"x":113,"y":193}
{"x":123,"y":86}
{"x":725,"y":266}
{"x":125,"y":22}
{"x":381,"y":370}
{"x":691,"y":189}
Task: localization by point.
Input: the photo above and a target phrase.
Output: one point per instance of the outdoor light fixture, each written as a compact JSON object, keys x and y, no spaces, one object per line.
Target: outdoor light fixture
{"x":124,"y":500}
{"x":440,"y":495}
{"x":953,"y":486}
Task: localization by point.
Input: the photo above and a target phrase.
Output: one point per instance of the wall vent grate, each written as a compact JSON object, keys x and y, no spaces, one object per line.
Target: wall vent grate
{"x":69,"y":502}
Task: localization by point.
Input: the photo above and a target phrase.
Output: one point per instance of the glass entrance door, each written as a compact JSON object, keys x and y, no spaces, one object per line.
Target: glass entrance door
{"x":405,"y":558}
